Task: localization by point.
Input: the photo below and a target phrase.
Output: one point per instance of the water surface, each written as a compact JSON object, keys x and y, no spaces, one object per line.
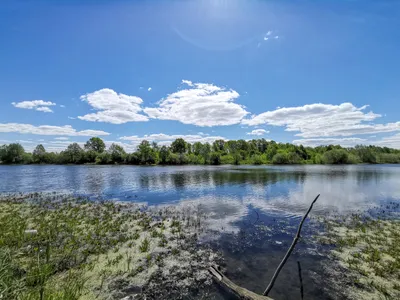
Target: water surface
{"x":239,"y":200}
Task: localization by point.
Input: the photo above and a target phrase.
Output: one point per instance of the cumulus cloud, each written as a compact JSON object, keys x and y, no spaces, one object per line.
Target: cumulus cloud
{"x":345,"y":142}
{"x":258,"y":132}
{"x":66,"y":130}
{"x":200,"y":104}
{"x":324,"y":120}
{"x":149,"y":89}
{"x":38,"y":105}
{"x":166,"y":139}
{"x":113,"y":108}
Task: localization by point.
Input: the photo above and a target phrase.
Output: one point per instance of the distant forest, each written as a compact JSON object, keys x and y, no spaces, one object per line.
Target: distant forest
{"x":180,"y":152}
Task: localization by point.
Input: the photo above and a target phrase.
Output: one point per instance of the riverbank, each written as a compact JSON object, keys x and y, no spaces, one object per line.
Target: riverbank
{"x":61,"y":247}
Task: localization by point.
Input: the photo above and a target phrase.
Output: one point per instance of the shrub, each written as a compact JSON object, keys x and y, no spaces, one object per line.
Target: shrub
{"x":215,"y":158}
{"x":336,"y":156}
{"x":279,"y":159}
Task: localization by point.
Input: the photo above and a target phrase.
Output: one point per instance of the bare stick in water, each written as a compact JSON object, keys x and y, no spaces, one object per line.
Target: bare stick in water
{"x":290,"y":250}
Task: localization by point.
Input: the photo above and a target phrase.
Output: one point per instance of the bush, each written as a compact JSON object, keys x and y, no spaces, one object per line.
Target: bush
{"x":293,"y":158}
{"x":279,"y":159}
{"x":215,"y":158}
{"x":227,"y":159}
{"x":103,"y":158}
{"x":257,"y":159}
{"x":389,"y":158}
{"x":336,"y":156}
{"x":195,"y":159}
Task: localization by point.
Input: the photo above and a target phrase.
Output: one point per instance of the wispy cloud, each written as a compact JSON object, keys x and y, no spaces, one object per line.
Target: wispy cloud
{"x":49,"y":130}
{"x":345,"y":142}
{"x":62,"y":138}
{"x":38,"y":105}
{"x":149,"y":89}
{"x":258,"y":132}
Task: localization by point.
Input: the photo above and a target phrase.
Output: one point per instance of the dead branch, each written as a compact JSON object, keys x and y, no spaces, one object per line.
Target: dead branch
{"x":240,"y":292}
{"x":295,"y":240}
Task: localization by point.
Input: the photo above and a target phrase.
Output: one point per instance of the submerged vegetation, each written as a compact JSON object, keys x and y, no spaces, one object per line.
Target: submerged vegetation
{"x":256,"y":151}
{"x":56,"y":246}
{"x":368,"y":249}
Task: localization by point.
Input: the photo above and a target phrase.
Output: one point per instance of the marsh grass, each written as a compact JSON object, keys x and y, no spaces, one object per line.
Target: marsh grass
{"x":55,"y":246}
{"x":370,"y":249}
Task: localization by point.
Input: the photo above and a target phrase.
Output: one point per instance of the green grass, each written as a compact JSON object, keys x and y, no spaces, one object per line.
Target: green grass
{"x":370,"y":250}
{"x":55,"y":246}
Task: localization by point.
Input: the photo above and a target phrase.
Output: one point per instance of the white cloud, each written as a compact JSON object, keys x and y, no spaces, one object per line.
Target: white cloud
{"x":44,"y":109}
{"x":165,"y":139}
{"x":269,"y":32}
{"x":62,"y":106}
{"x":258,"y":132}
{"x":389,"y":141}
{"x":265,"y":38}
{"x":345,"y":142}
{"x":276,"y":37}
{"x":149,"y":89}
{"x":200,"y":104}
{"x":62,"y":138}
{"x":38,"y":105}
{"x":324,"y":120}
{"x":48,"y":130}
{"x":187,"y":82}
{"x":113,"y":108}
{"x":71,"y":118}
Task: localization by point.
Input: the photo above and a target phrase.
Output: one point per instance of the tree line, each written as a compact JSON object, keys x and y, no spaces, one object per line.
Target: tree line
{"x":256,"y":151}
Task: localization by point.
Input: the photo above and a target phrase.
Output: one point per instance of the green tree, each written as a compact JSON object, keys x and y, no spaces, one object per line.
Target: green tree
{"x":117,"y":153}
{"x":197,"y":148}
{"x":205,"y":152}
{"x":164,"y":153}
{"x":215,"y":158}
{"x":12,"y":154}
{"x":218,"y":145}
{"x":178,"y":146}
{"x":95,"y":144}
{"x":73,"y":154}
{"x":145,"y":152}
{"x":39,"y":154}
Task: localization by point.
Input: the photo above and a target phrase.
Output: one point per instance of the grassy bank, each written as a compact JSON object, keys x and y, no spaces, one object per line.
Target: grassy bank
{"x":60,"y":247}
{"x":368,"y":253}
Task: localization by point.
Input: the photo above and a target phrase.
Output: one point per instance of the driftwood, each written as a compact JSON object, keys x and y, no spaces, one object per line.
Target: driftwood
{"x":243,"y":293}
{"x":240,"y":292}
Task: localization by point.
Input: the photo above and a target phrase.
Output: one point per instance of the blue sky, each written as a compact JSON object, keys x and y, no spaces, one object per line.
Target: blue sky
{"x":309,"y":72}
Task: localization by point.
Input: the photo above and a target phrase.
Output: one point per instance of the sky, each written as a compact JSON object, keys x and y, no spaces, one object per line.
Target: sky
{"x":303,"y":72}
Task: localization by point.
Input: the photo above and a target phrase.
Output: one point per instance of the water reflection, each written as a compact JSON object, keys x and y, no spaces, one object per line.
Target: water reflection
{"x":225,"y":192}
{"x":284,"y":188}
